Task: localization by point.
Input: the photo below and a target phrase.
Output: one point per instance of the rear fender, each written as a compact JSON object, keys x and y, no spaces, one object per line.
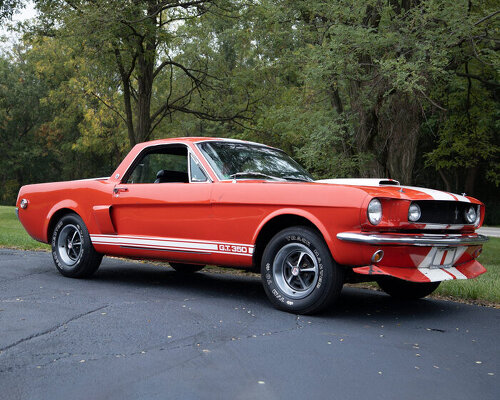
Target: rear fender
{"x":64,"y":204}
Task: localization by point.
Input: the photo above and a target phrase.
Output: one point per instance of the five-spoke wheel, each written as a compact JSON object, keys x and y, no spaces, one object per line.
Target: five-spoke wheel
{"x":295,"y":269}
{"x":69,"y":244}
{"x":299,"y":273}
{"x":72,"y":250}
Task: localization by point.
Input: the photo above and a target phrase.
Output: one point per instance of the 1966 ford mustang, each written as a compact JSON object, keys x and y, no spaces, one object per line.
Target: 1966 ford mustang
{"x":198,"y":201}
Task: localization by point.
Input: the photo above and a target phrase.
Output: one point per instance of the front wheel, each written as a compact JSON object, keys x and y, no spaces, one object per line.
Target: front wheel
{"x":298,"y":272}
{"x":72,"y":250}
{"x":405,"y":290}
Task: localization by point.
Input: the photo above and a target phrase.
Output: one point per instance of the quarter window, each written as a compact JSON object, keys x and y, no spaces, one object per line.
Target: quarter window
{"x":197,"y":174}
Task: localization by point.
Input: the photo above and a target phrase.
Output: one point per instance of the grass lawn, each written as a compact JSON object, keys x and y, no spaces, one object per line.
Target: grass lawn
{"x":484,"y":289}
{"x":12,"y":234}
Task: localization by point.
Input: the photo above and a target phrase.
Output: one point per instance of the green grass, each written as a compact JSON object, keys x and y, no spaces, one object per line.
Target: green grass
{"x":12,"y":233}
{"x":485,"y":288}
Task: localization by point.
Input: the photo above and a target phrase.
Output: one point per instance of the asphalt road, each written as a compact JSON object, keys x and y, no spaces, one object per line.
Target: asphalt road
{"x":492,"y":231}
{"x":142,"y":331}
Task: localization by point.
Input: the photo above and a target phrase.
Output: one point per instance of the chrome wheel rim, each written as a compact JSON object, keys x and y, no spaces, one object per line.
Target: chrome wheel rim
{"x":295,"y":270}
{"x":69,"y":245}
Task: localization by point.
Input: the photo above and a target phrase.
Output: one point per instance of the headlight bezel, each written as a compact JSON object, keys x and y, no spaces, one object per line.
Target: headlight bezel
{"x":374,"y":211}
{"x":414,"y":210}
{"x":473,"y":213}
{"x":478,"y":216}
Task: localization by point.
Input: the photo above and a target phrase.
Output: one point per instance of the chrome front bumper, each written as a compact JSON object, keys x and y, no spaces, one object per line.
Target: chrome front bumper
{"x":426,"y":239}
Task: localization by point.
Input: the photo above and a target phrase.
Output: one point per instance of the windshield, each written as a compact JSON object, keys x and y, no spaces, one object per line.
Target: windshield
{"x":232,"y":160}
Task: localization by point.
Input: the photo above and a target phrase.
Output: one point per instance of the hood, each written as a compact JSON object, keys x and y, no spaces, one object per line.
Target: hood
{"x":384,"y":187}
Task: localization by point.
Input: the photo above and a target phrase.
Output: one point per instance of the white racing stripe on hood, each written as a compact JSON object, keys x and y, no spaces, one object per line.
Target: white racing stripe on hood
{"x":438,"y":194}
{"x":384,"y":182}
{"x":461,"y":198}
{"x":435,"y":194}
{"x":361,"y":181}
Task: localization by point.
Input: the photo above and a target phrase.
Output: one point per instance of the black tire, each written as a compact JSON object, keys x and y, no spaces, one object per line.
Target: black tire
{"x":186,"y":268}
{"x":405,"y":290}
{"x":287,"y":284}
{"x":72,"y":250}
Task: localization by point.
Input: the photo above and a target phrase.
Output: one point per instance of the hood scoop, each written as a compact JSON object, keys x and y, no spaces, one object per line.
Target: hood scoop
{"x":361,"y":181}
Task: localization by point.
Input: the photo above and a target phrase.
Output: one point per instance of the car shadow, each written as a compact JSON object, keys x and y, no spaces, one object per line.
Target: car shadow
{"x":359,"y":303}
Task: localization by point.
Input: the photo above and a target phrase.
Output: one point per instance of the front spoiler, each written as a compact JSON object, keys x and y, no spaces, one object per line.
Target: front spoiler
{"x":426,"y":239}
{"x":467,"y":270}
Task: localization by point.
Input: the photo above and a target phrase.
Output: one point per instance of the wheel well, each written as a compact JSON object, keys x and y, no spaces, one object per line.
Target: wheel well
{"x":274,"y":226}
{"x":53,"y":221}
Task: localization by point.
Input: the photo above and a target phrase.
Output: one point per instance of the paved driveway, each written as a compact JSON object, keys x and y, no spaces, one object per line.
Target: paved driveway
{"x":490,"y":231}
{"x":142,"y":331}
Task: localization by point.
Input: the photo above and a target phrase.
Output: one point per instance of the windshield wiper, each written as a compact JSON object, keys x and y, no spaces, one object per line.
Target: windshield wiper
{"x":294,"y":178}
{"x":255,"y":173}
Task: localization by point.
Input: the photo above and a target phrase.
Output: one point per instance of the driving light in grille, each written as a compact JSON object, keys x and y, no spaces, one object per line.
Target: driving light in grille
{"x":375,"y":211}
{"x":470,"y":215}
{"x":414,"y":212}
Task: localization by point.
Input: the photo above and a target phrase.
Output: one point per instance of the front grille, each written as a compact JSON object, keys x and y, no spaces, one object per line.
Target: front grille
{"x":443,"y":212}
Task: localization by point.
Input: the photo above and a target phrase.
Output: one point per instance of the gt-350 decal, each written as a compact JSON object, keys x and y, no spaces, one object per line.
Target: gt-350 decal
{"x":173,"y":244}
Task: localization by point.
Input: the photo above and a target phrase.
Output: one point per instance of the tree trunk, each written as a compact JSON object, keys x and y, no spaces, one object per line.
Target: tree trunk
{"x":470,"y":180}
{"x":145,"y":88}
{"x":401,"y":127}
{"x":447,"y":184}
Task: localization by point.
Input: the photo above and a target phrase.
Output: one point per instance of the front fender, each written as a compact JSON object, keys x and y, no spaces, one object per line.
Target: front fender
{"x":300,"y":213}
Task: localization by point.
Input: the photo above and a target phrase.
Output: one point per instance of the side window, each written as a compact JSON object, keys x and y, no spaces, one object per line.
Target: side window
{"x":197,"y":174}
{"x":164,"y":164}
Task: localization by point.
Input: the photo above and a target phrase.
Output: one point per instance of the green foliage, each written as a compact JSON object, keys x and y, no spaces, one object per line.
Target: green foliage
{"x":9,"y":7}
{"x":468,"y":136}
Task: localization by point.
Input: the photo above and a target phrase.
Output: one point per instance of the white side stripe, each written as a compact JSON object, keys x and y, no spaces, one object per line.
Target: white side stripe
{"x":174,"y":244}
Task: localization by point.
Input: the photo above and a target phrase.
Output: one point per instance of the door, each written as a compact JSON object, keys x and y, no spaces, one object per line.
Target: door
{"x":161,"y":209}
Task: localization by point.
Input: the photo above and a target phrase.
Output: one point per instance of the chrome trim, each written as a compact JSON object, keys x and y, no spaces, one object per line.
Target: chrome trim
{"x":192,"y":155}
{"x":440,"y":226}
{"x":425,"y":239}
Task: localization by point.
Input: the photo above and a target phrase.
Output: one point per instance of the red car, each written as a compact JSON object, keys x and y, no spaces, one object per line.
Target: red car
{"x":198,"y":201}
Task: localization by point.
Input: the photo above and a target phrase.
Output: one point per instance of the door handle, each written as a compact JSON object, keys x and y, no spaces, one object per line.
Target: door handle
{"x":119,"y":189}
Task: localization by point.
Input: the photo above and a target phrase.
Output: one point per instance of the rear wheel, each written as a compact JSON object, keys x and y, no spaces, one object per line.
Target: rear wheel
{"x":72,"y":250}
{"x":405,"y":290}
{"x":186,"y":268}
{"x":298,"y":272}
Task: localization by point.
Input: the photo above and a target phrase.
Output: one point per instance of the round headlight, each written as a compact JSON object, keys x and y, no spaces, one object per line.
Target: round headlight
{"x":414,"y":212}
{"x":375,"y":211}
{"x":470,"y":215}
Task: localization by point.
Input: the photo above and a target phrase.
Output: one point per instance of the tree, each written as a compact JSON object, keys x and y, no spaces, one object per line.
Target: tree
{"x":135,"y":44}
{"x":9,"y":7}
{"x":370,"y":69}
